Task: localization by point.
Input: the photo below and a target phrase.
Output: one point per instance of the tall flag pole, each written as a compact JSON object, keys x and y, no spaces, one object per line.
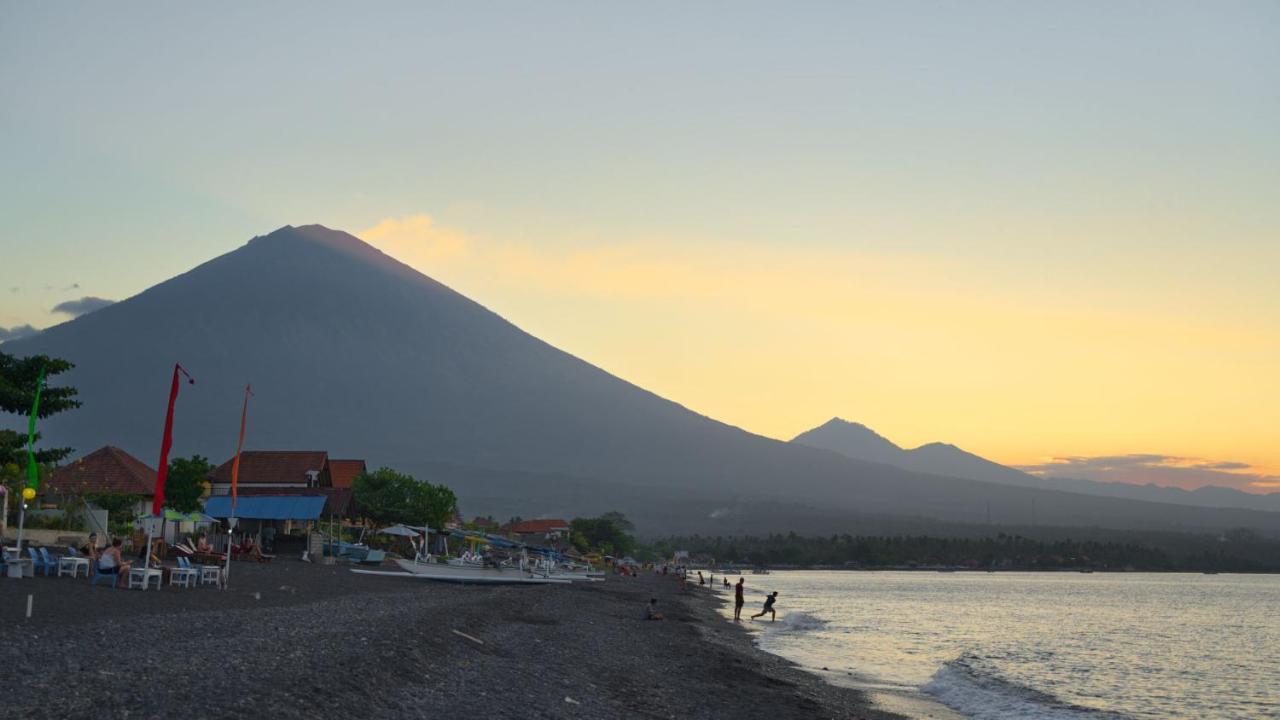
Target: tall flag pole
{"x":33,"y":472}
{"x":162,"y":470}
{"x":235,"y":477}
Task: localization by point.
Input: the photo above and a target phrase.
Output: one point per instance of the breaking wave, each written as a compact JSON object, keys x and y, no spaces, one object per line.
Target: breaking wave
{"x":800,"y":622}
{"x":980,"y":694}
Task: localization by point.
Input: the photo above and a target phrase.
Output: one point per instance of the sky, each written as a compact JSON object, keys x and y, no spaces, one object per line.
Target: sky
{"x":1046,"y":232}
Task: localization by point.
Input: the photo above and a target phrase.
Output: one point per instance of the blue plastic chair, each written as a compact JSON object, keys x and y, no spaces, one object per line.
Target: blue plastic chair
{"x":50,"y":562}
{"x":38,"y":563}
{"x":112,"y":578}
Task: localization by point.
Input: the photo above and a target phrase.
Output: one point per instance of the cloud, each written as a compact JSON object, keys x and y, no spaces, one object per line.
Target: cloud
{"x":15,"y":332}
{"x":76,"y":308}
{"x":1164,"y":470}
{"x":416,"y":240}
{"x":1224,"y":466}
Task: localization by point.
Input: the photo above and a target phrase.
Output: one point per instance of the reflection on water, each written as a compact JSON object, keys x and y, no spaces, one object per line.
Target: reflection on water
{"x":1039,"y":645}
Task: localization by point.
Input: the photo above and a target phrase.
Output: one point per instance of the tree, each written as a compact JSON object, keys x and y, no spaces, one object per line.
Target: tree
{"x":605,"y":534}
{"x":387,"y":496}
{"x":18,"y":377}
{"x":186,"y":483}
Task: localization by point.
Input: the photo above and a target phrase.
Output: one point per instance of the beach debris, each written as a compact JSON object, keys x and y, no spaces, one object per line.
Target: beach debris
{"x":29,"y":599}
{"x":257,"y":596}
{"x":571,"y":701}
{"x":473,"y":639}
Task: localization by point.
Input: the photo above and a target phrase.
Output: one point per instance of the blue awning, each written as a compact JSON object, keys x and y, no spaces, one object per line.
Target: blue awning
{"x":267,"y":507}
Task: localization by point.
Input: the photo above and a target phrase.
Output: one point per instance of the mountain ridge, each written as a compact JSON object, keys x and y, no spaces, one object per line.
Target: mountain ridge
{"x":941,"y":458}
{"x":352,"y":351}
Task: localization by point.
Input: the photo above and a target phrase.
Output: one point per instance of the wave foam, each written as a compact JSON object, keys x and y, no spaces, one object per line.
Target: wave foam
{"x":800,"y":622}
{"x":963,"y":686}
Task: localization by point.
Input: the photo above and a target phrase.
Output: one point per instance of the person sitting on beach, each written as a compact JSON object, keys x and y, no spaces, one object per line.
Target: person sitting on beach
{"x":111,"y":563}
{"x":737,"y":599}
{"x":768,"y":608}
{"x":653,"y":610}
{"x":203,"y":546}
{"x":252,"y":550}
{"x":90,"y":549}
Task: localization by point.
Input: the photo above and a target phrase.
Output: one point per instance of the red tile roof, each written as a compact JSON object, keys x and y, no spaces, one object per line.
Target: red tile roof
{"x":342,"y":472}
{"x":534,"y":527}
{"x":273,"y":466}
{"x":105,"y":470}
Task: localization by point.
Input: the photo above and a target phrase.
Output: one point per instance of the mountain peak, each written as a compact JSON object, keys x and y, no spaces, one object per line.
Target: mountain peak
{"x":314,"y":233}
{"x":942,"y":446}
{"x":850,"y":439}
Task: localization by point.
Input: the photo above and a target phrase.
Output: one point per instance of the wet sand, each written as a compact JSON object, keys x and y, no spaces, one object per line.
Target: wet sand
{"x":294,"y":640}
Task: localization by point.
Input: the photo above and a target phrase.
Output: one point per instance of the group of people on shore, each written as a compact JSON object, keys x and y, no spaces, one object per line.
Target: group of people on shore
{"x":738,"y":594}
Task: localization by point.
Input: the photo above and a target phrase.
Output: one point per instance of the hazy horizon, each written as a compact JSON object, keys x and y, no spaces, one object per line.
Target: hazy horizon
{"x":1044,"y":234}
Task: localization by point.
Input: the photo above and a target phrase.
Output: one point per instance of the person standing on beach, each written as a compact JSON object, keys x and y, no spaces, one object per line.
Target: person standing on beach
{"x":737,"y":600}
{"x":768,"y":608}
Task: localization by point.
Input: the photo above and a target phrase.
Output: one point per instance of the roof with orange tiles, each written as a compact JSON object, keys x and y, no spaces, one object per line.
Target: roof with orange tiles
{"x":273,"y":466}
{"x":105,"y":470}
{"x":532,"y":527}
{"x":342,"y":472}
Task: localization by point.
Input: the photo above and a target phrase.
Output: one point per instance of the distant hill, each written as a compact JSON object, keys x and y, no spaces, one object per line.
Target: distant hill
{"x":855,"y":440}
{"x":352,"y":352}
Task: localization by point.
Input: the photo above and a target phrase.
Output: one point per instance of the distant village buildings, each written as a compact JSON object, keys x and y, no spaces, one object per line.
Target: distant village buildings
{"x":539,"y":532}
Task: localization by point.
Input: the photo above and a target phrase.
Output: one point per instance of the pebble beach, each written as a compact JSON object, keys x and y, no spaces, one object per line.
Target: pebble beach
{"x":296,"y":640}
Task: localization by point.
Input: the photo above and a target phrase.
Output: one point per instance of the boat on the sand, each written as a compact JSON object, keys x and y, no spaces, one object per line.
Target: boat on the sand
{"x":512,"y":579}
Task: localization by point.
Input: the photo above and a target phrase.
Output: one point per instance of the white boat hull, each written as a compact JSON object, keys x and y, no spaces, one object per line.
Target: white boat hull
{"x":511,"y":578}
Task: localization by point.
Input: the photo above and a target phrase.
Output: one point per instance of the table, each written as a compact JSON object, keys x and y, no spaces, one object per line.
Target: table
{"x":210,"y":575}
{"x":20,"y":568}
{"x":141,"y":577}
{"x":72,"y":564}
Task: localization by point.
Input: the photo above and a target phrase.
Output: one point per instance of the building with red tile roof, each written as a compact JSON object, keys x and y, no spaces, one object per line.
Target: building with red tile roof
{"x":539,"y":530}
{"x":275,"y":469}
{"x":342,"y":472}
{"x":292,"y":472}
{"x":107,"y":470}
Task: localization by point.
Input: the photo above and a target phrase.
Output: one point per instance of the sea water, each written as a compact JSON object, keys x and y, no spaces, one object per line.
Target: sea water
{"x":1035,"y":646}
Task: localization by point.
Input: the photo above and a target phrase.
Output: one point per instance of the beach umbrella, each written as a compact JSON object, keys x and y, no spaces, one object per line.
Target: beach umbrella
{"x":175,"y":516}
{"x":399,"y":531}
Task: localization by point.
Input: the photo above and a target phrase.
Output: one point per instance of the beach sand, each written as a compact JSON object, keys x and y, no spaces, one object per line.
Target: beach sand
{"x":296,"y":640}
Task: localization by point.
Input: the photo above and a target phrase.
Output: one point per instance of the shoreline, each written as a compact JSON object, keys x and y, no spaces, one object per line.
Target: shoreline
{"x":295,"y":640}
{"x":890,"y":705}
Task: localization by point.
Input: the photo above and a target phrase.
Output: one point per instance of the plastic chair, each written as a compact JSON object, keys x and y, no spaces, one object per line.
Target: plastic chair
{"x":113,"y":578}
{"x":183,"y":575}
{"x":50,"y":562}
{"x":38,"y":563}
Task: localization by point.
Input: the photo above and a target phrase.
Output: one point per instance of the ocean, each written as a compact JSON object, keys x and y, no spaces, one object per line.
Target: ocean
{"x":1035,"y":646}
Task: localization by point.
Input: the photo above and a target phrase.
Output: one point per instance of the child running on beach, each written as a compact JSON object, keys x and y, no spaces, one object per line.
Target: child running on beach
{"x":737,"y":599}
{"x":768,"y":608}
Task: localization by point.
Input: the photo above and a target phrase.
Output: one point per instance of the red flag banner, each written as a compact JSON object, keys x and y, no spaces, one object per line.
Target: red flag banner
{"x":235,"y":464}
{"x":162,"y":470}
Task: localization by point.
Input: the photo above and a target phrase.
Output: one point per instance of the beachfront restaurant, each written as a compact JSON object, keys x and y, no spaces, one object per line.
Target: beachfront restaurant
{"x":283,"y":475}
{"x":281,"y":523}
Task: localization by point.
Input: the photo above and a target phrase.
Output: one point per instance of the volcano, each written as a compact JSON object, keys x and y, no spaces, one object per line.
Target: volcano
{"x":355,"y":353}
